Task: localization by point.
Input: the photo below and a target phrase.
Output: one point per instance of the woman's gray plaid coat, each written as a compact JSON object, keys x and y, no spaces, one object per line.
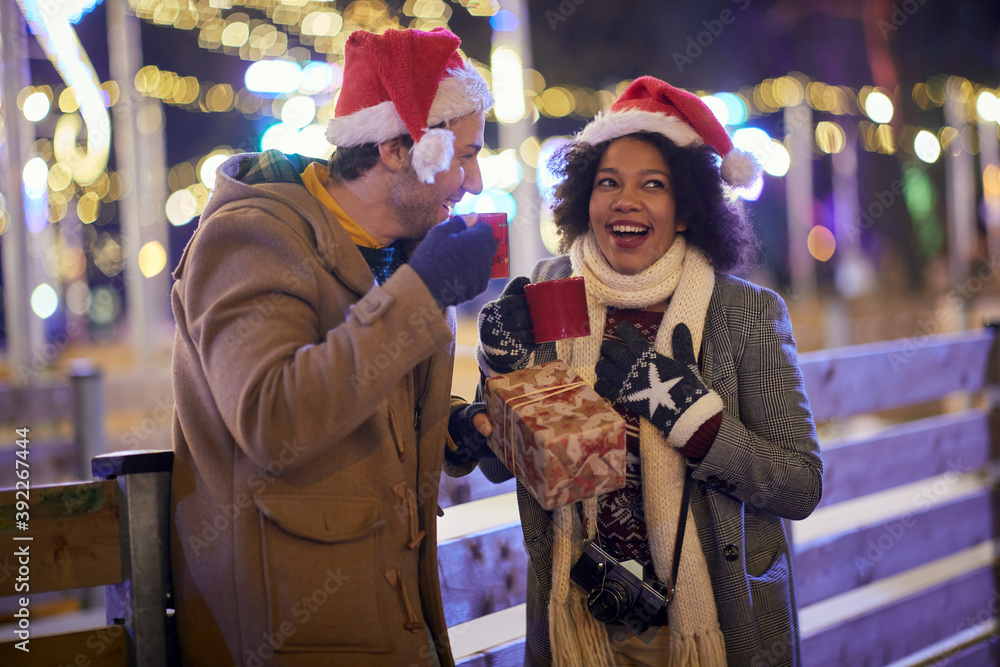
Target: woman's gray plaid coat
{"x":763,"y":467}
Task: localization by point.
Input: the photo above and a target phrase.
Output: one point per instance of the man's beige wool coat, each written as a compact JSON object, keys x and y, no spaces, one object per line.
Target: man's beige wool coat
{"x":303,"y":502}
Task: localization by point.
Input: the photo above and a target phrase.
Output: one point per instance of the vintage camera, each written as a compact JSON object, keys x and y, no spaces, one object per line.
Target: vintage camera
{"x":619,"y":591}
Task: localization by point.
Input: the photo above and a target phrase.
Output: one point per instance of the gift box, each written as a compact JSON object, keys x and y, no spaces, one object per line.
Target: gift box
{"x":560,"y":439}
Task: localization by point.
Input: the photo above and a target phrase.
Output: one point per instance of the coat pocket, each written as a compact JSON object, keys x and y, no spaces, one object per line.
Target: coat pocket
{"x":320,"y":558}
{"x":771,"y":592}
{"x":771,"y":601}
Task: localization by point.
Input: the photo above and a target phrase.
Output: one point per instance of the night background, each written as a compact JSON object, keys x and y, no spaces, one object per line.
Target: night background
{"x":876,"y":122}
{"x":593,"y":46}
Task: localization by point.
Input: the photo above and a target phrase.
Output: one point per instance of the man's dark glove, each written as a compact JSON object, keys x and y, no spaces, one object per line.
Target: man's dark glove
{"x":455,"y":261}
{"x":668,"y":392}
{"x":505,"y":337}
{"x":470,"y":443}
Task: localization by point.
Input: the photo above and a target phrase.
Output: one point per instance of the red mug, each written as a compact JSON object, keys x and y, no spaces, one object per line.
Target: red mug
{"x":558,"y":309}
{"x":501,"y":260}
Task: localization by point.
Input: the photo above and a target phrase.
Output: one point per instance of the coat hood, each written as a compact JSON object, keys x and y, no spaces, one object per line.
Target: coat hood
{"x":249,"y":175}
{"x":273,"y":180}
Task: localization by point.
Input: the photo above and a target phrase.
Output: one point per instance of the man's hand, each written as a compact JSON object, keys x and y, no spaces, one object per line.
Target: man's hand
{"x":455,"y":260}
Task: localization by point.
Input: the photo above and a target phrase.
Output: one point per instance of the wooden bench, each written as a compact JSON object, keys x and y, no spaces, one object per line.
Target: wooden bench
{"x":898,"y":562}
{"x":896,"y":567}
{"x":113,"y":532}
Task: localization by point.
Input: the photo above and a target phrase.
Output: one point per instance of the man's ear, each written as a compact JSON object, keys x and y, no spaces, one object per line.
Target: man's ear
{"x":394,"y":154}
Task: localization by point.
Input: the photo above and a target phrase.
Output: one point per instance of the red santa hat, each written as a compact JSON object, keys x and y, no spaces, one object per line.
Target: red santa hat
{"x":406,"y":82}
{"x":651,"y":105}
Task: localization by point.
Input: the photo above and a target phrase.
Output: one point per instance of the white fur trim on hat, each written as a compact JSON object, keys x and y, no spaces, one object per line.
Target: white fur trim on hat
{"x":460,"y":93}
{"x":613,"y":124}
{"x":433,"y":153}
{"x":740,"y":168}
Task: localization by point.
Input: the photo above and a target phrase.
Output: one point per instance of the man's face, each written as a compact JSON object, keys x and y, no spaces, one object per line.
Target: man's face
{"x":419,"y":205}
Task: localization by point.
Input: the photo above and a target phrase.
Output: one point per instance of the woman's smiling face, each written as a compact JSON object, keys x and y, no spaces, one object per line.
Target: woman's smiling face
{"x":632,"y":206}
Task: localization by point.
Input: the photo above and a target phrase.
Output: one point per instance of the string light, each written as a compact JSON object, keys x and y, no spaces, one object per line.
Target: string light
{"x":294,"y":29}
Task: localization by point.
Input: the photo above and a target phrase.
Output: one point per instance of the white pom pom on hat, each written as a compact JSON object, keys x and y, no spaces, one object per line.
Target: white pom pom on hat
{"x":652,"y":105}
{"x":406,"y":82}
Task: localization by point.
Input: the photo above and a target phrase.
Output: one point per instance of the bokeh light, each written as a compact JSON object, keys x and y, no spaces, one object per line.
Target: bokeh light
{"x":736,"y":106}
{"x":504,"y":21}
{"x":181,"y":207}
{"x":44,"y":301}
{"x":88,"y":207}
{"x":60,"y":177}
{"x":72,"y":264}
{"x":988,"y":107}
{"x":273,"y":77}
{"x":770,"y":153}
{"x":318,"y":76}
{"x":776,"y":160}
{"x":751,"y":192}
{"x":830,"y":137}
{"x":508,"y":84}
{"x":926,"y":146}
{"x":78,"y":297}
{"x":280,"y":136}
{"x":718,"y":108}
{"x":35,"y":176}
{"x":501,"y":171}
{"x":104,"y":305}
{"x":489,"y":201}
{"x":991,"y":181}
{"x":529,"y":150}
{"x":556,"y":102}
{"x":298,"y":111}
{"x":36,"y":106}
{"x":878,"y":106}
{"x":152,"y":258}
{"x":208,"y":165}
{"x":312,"y":142}
{"x":821,"y":243}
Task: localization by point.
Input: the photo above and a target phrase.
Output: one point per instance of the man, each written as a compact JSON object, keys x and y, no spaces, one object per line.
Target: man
{"x":312,"y":371}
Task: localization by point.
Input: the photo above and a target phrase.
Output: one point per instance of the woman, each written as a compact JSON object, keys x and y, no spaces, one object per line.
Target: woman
{"x":643,"y":211}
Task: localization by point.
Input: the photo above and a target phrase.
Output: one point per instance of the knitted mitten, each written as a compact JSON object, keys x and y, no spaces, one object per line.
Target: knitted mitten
{"x":668,"y":392}
{"x":505,"y":337}
{"x":455,"y":261}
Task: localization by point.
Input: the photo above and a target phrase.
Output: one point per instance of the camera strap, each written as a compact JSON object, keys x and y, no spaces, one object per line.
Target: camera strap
{"x":681,"y":523}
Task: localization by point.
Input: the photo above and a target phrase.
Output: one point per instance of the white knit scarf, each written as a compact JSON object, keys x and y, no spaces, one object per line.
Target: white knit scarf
{"x":695,"y":637}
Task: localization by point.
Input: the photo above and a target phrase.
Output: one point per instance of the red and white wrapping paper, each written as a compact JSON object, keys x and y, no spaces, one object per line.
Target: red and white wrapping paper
{"x":560,"y":439}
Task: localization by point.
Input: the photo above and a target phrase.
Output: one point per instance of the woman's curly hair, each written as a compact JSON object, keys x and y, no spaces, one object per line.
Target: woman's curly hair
{"x":715,"y":225}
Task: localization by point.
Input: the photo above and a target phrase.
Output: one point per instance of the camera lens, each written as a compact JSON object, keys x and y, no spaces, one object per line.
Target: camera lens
{"x":607,"y":603}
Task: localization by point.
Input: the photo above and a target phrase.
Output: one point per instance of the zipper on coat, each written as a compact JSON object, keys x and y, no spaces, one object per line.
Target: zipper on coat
{"x":420,"y":399}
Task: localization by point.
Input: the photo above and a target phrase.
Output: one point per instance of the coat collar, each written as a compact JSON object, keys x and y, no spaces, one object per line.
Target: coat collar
{"x":717,"y":366}
{"x":275,"y":176}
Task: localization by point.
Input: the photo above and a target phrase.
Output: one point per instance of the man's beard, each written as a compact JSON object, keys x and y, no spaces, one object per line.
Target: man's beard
{"x":414,"y":203}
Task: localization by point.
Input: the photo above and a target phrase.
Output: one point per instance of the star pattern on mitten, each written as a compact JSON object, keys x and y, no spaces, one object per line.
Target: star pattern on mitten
{"x":657,"y":392}
{"x":659,"y":388}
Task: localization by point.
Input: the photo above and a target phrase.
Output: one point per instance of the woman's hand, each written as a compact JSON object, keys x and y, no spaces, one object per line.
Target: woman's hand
{"x":505,"y":336}
{"x":469,"y":427}
{"x":668,"y":392}
{"x":482,"y":423}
